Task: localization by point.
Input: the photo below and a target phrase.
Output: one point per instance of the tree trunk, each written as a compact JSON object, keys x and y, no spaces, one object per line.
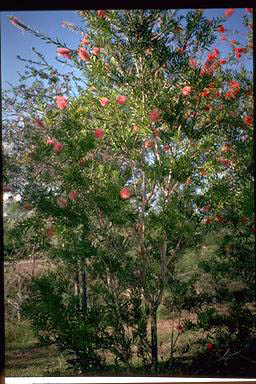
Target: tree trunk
{"x":154,"y":346}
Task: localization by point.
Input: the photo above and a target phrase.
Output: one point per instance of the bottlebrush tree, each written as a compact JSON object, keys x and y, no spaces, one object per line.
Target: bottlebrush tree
{"x":113,"y":175}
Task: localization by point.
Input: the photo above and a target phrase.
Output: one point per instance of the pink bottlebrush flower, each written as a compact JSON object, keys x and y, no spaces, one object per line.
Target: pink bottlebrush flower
{"x":38,"y":123}
{"x":62,"y":202}
{"x":186,"y":91}
{"x":125,"y":193}
{"x":101,"y":14}
{"x":121,"y":100}
{"x":248,"y":120}
{"x":50,"y":232}
{"x":65,"y":52}
{"x":249,"y":10}
{"x":15,"y":21}
{"x":222,"y":61}
{"x":61,"y":102}
{"x":84,"y":55}
{"x":229,"y":12}
{"x":166,"y":148}
{"x":99,"y":133}
{"x":85,"y":40}
{"x":223,"y":37}
{"x":104,"y":101}
{"x":57,"y":147}
{"x":225,"y":162}
{"x":154,"y":115}
{"x":96,"y":51}
{"x":73,"y":195}
{"x":50,"y":141}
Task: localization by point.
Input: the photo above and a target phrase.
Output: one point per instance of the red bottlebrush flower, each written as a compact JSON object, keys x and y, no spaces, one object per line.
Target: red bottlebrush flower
{"x":222,"y":61}
{"x":99,"y":133}
{"x":206,"y":208}
{"x":134,"y":128}
{"x":218,"y":94}
{"x":225,"y":148}
{"x":50,"y":141}
{"x":210,"y":57}
{"x":234,"y":84}
{"x":65,"y":52}
{"x":216,"y":52}
{"x":125,"y":193}
{"x":120,"y":100}
{"x":221,"y":29}
{"x":243,"y":219}
{"x":61,"y":102}
{"x":229,"y":94}
{"x":192,"y":63}
{"x":225,"y":162}
{"x":84,"y":55}
{"x":233,"y":42}
{"x":249,"y":10}
{"x":186,"y":91}
{"x":248,"y":120}
{"x":62,"y":202}
{"x":212,"y":85}
{"x":57,"y":147}
{"x":50,"y":232}
{"x":104,"y":101}
{"x":73,"y":195}
{"x":101,"y":14}
{"x":253,"y":229}
{"x":154,"y":115}
{"x":205,"y":92}
{"x":229,"y":12}
{"x":240,"y":50}
{"x":96,"y":51}
{"x":179,"y":328}
{"x":208,"y":108}
{"x":27,"y":206}
{"x":218,"y":219}
{"x":38,"y":123}
{"x":180,"y":51}
{"x":166,"y":148}
{"x":207,"y":220}
{"x":85,"y":40}
{"x":210,"y":346}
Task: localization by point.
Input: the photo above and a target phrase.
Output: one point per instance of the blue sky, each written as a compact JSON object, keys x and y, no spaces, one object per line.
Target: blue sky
{"x":15,"y":42}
